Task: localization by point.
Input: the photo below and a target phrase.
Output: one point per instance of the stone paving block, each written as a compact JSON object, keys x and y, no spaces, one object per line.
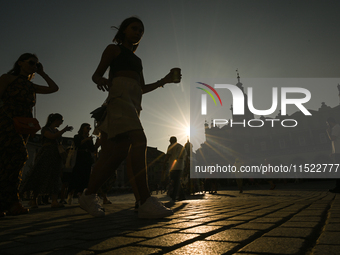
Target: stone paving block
{"x":169,"y":240}
{"x":329,"y":238}
{"x":11,"y":237}
{"x":68,"y":251}
{"x":135,"y":250}
{"x":246,"y":253}
{"x":205,"y":219}
{"x":255,"y":226}
{"x":218,"y":217}
{"x":333,"y":220}
{"x":266,"y":220}
{"x":204,"y":247}
{"x":310,"y":213}
{"x":41,"y":247}
{"x":333,"y":227}
{"x":334,"y":213}
{"x":9,"y":244}
{"x":272,"y":245}
{"x":201,"y":229}
{"x":153,"y":232}
{"x":307,"y":219}
{"x":97,"y":235}
{"x":290,"y":232}
{"x":242,"y":218}
{"x":110,"y":243}
{"x":232,"y":235}
{"x":279,"y":215}
{"x":326,"y":250}
{"x":157,"y":225}
{"x":297,"y":224}
{"x":294,"y":207}
{"x":225,"y":223}
{"x":203,"y":215}
{"x":39,"y":232}
{"x":183,"y":225}
{"x":257,"y":214}
{"x":192,"y":217}
{"x":47,"y":237}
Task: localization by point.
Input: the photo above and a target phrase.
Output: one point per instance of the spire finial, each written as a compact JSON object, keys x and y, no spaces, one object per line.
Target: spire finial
{"x":238,"y":75}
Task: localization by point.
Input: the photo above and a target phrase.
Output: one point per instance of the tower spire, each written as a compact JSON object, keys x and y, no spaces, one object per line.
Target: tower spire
{"x":239,"y":84}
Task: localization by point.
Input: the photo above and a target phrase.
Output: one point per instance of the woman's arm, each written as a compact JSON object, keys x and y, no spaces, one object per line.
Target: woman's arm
{"x":108,"y":55}
{"x":48,"y":134}
{"x":86,"y":139}
{"x":52,"y":86}
{"x":150,"y":87}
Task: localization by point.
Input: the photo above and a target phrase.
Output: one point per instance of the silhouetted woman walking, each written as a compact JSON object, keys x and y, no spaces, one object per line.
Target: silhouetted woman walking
{"x":17,"y":99}
{"x":121,"y":131}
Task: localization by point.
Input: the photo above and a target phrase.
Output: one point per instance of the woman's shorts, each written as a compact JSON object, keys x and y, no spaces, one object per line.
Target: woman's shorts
{"x":123,"y":108}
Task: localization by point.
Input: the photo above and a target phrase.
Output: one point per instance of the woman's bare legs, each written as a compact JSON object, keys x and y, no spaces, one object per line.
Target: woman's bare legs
{"x":112,"y":154}
{"x":132,"y":177}
{"x":138,"y":164}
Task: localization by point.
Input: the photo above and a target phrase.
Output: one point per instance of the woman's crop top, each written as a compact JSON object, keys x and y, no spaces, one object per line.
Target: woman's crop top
{"x":126,"y":61}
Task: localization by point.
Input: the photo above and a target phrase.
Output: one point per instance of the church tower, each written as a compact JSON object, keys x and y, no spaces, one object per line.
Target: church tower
{"x":248,"y":115}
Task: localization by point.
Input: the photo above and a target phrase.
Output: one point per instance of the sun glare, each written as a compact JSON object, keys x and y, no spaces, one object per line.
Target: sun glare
{"x":187,"y":131}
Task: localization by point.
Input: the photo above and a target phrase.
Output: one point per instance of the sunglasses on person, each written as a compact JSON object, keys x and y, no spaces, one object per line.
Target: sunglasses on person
{"x":32,"y":63}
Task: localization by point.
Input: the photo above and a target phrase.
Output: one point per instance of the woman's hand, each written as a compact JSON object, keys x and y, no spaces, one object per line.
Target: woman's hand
{"x":103,"y":84}
{"x":68,"y":128}
{"x":52,"y":86}
{"x":169,"y":78}
{"x":40,"y":69}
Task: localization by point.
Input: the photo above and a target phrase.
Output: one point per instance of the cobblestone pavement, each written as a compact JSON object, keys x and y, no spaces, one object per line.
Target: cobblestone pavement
{"x":292,"y":219}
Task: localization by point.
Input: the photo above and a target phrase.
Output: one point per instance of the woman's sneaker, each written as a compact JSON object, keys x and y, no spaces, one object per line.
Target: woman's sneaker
{"x":90,"y":203}
{"x":153,"y":209}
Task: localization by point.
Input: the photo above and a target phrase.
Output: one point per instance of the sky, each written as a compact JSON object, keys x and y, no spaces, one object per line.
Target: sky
{"x":208,"y":40}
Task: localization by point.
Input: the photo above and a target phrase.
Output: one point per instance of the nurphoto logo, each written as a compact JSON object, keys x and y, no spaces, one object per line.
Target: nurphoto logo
{"x":239,"y":104}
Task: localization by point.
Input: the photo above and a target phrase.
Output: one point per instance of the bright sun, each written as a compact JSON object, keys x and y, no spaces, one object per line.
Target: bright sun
{"x":187,"y":131}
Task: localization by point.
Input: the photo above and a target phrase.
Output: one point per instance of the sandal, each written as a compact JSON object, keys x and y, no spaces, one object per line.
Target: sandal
{"x":17,"y":209}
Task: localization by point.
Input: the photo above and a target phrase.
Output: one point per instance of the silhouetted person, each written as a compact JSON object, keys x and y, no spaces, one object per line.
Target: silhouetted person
{"x":45,"y":175}
{"x":176,"y":155}
{"x":86,"y":149}
{"x":270,"y":181}
{"x":121,"y":130}
{"x":17,"y":98}
{"x":239,"y":180}
{"x":333,"y":132}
